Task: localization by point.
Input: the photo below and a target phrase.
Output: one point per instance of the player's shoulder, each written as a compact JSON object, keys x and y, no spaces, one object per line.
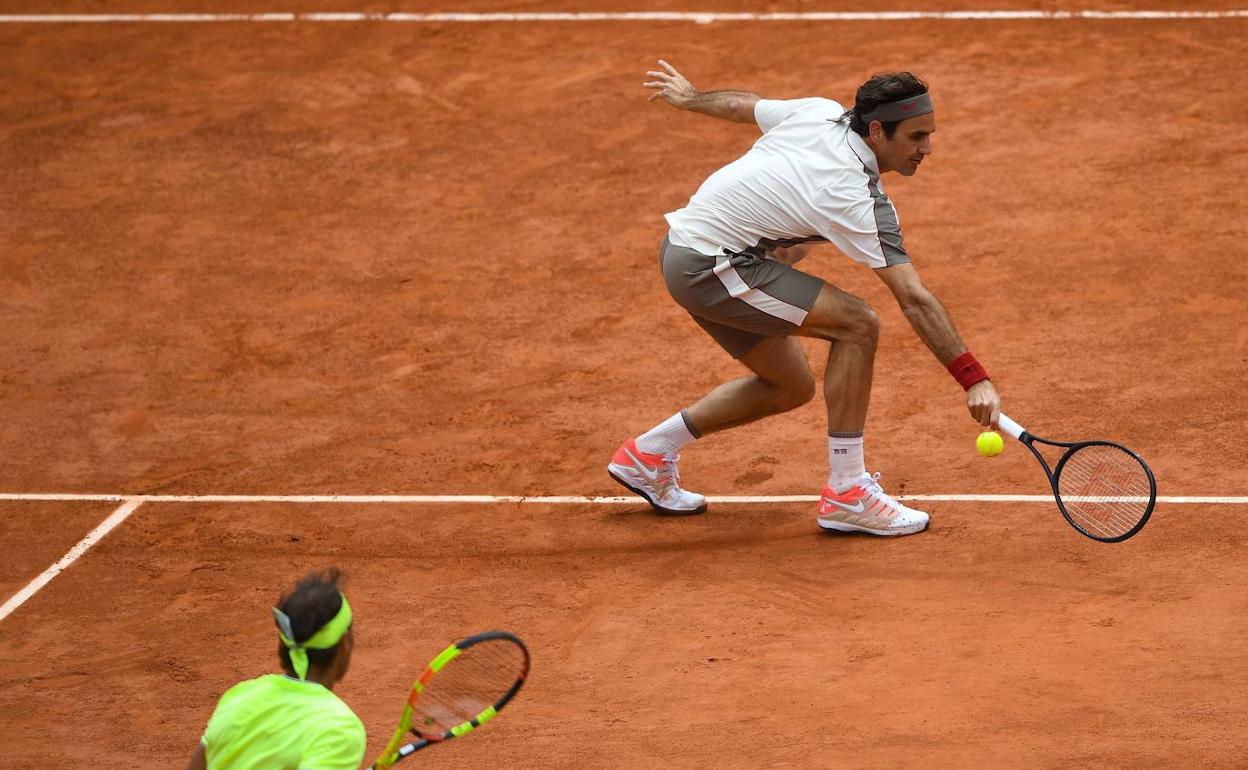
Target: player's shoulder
{"x":846,"y":180}
{"x":337,"y":743}
{"x":827,"y":105}
{"x":337,"y":723}
{"x":241,"y":701}
{"x":251,"y":687}
{"x":796,"y":116}
{"x":809,"y":105}
{"x":336,"y":709}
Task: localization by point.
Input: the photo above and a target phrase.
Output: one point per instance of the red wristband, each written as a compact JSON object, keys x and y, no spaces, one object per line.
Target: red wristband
{"x":967,"y":371}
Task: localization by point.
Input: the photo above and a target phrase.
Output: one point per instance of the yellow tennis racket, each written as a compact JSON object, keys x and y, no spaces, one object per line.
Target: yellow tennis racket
{"x":464,"y":687}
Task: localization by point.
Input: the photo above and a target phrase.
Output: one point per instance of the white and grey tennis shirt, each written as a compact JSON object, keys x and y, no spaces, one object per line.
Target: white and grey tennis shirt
{"x":807,"y":178}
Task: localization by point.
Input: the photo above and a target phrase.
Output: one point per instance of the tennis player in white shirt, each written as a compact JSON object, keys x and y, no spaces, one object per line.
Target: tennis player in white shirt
{"x":813,"y":176}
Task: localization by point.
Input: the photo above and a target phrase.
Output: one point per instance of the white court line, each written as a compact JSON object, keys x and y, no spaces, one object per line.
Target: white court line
{"x":93,"y":537}
{"x":694,"y":16}
{"x":560,"y":499}
{"x":132,"y":502}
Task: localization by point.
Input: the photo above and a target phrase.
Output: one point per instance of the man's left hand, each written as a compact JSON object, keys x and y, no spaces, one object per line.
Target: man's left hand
{"x":672,"y":86}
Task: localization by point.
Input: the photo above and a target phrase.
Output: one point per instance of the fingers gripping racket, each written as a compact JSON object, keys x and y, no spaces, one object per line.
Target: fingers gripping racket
{"x":464,"y":687}
{"x":1105,"y":491}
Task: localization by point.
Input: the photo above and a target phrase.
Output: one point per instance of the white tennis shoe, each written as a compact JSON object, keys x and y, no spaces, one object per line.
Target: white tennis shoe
{"x":655,"y":478}
{"x":865,"y":507}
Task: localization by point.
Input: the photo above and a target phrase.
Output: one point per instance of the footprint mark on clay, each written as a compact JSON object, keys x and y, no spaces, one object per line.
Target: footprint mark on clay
{"x":753,"y":477}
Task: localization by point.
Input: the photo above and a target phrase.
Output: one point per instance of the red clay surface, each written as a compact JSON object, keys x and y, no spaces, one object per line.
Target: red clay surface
{"x":36,"y":535}
{"x":421,"y":259}
{"x":531,"y":6}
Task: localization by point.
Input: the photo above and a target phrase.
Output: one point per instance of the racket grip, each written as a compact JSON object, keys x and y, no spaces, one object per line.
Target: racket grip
{"x":1009,"y":426}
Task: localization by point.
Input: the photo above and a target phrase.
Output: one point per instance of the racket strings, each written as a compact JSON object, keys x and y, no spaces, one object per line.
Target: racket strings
{"x":470,"y":683}
{"x":1104,"y":489}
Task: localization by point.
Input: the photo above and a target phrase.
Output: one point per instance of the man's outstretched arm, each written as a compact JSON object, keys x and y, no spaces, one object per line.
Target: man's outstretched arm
{"x":931,"y":322}
{"x":737,"y":106}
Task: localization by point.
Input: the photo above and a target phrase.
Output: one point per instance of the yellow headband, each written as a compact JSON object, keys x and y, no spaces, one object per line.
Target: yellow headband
{"x":327,"y":636}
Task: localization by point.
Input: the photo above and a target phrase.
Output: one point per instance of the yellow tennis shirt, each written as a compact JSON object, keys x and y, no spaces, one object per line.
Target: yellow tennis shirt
{"x":277,"y":722}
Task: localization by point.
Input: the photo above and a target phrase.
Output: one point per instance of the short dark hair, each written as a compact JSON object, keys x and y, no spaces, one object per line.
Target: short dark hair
{"x":882,"y":88}
{"x":314,"y":602}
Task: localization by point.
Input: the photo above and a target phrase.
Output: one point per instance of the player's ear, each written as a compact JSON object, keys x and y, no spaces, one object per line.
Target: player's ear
{"x":342,"y":656}
{"x":876,"y":130}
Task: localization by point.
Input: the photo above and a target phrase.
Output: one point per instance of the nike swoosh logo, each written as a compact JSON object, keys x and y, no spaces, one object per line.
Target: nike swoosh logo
{"x":857,"y":507}
{"x":651,"y":475}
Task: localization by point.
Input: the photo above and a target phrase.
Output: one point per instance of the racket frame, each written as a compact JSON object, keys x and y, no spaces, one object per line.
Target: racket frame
{"x":394,"y":752}
{"x":1054,"y":474}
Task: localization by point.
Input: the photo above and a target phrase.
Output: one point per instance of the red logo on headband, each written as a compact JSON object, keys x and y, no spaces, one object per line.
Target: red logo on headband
{"x":909,"y":107}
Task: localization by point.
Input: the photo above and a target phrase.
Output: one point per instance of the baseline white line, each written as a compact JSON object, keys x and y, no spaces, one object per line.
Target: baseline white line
{"x":93,"y":537}
{"x":561,"y":499}
{"x":694,"y":16}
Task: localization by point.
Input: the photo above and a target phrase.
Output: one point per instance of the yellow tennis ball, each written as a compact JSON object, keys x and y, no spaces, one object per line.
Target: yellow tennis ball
{"x":989,"y":443}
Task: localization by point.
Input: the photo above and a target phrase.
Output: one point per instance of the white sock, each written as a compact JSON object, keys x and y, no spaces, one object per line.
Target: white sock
{"x":668,"y":436}
{"x":845,"y":464}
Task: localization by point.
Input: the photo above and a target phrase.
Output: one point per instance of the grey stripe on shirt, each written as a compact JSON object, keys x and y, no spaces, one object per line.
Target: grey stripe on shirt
{"x":886,"y":224}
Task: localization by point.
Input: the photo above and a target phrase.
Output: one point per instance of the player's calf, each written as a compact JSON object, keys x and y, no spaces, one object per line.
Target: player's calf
{"x":792,"y":393}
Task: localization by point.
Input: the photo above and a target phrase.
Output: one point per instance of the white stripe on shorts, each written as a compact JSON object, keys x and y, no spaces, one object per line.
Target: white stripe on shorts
{"x":755,"y":298}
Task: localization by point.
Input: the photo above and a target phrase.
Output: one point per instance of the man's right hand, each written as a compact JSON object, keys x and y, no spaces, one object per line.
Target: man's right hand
{"x":672,"y":86}
{"x":984,"y":403}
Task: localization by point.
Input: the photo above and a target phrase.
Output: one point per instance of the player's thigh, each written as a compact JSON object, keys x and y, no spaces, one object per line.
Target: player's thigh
{"x":757,"y":297}
{"x":839,"y":315}
{"x":780,"y":361}
{"x":737,"y":342}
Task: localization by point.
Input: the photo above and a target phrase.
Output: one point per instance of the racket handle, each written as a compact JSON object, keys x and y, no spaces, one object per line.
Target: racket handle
{"x":1010,"y":427}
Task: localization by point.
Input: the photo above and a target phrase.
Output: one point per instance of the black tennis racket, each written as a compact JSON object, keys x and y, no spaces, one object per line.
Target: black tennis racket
{"x":464,"y":687}
{"x":1105,"y":491}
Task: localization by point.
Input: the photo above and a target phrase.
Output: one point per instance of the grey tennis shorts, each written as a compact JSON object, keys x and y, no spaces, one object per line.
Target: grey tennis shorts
{"x":739,"y":299}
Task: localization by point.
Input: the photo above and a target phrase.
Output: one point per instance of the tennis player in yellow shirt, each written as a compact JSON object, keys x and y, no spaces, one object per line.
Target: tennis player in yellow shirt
{"x":292,"y":721}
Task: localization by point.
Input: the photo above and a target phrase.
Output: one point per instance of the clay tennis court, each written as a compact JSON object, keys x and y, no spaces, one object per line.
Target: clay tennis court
{"x":419,"y":259}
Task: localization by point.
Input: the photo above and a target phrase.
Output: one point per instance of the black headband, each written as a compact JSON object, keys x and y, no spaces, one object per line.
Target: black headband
{"x":900,"y":110}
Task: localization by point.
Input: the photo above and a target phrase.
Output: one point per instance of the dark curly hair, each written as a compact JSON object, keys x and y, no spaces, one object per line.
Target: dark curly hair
{"x":882,"y":88}
{"x":314,"y":602}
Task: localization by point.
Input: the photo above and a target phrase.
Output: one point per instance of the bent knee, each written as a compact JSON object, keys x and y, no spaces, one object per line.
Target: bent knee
{"x":797,"y":392}
{"x":852,"y":321}
{"x":865,"y":324}
{"x":858,"y":323}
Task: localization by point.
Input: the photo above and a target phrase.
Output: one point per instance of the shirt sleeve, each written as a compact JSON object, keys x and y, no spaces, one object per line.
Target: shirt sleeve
{"x":339,"y":747}
{"x":860,"y":220}
{"x":769,"y":113}
{"x":212,"y":730}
